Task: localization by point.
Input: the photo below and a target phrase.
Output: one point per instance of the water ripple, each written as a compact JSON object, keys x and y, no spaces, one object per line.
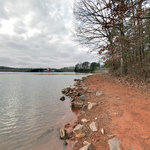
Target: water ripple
{"x":30,"y":108}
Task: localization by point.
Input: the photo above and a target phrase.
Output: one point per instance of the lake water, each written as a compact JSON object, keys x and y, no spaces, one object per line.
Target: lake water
{"x":31,"y":112}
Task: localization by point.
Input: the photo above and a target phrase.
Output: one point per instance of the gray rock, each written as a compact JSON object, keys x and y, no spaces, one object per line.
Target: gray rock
{"x":62,"y":98}
{"x":102,"y":131}
{"x":91,"y":105}
{"x":82,"y":112}
{"x":114,"y":144}
{"x":80,"y":135}
{"x":99,"y":93}
{"x":85,"y":88}
{"x":111,"y":135}
{"x":85,"y":143}
{"x":94,"y":126}
{"x":84,"y":120}
{"x":63,"y":134}
{"x":82,"y":97}
{"x":78,"y":128}
{"x":77,"y":80}
{"x":88,"y":91}
{"x":82,"y":84}
{"x":79,"y":94}
{"x":84,"y":148}
{"x":83,"y":78}
{"x":87,"y":146}
{"x":118,"y":98}
{"x":84,"y":106}
{"x":75,"y":104}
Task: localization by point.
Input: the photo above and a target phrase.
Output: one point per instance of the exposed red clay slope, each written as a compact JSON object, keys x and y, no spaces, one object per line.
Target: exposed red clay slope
{"x":123,"y":112}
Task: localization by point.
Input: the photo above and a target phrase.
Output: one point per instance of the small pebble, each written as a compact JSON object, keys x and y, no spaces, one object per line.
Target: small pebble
{"x":102,"y":131}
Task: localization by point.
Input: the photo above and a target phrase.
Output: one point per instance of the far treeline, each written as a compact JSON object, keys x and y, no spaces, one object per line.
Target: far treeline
{"x":119,"y":30}
{"x":87,"y":67}
{"x":11,"y":69}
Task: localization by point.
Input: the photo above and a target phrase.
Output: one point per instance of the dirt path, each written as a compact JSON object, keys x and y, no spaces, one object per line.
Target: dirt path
{"x":123,"y":112}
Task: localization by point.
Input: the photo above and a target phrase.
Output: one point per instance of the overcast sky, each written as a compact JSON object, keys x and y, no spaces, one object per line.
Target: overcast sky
{"x":38,"y":33}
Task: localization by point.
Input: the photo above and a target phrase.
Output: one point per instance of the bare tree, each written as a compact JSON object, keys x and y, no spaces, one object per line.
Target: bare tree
{"x":115,"y":28}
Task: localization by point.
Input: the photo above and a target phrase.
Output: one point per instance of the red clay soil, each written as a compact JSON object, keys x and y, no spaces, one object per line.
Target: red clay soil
{"x":123,"y":112}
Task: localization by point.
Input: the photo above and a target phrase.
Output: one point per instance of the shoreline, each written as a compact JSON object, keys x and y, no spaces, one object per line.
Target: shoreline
{"x":109,"y":114}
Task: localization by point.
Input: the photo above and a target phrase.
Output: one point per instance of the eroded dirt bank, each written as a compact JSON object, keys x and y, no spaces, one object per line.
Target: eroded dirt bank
{"x":119,"y":112}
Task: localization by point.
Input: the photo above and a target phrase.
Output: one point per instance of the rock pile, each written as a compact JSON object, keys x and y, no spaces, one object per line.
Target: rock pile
{"x":78,"y":96}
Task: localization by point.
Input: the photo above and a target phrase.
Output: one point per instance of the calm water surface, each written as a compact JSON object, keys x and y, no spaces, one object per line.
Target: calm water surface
{"x":31,"y":112}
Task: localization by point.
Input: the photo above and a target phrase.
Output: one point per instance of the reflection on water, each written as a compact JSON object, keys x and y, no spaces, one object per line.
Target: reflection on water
{"x":30,"y":111}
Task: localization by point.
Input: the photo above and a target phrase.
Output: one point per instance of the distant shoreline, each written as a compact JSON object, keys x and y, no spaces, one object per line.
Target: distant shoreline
{"x":43,"y":73}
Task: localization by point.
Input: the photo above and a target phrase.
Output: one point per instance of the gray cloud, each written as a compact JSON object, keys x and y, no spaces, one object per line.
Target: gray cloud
{"x":37,"y":33}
